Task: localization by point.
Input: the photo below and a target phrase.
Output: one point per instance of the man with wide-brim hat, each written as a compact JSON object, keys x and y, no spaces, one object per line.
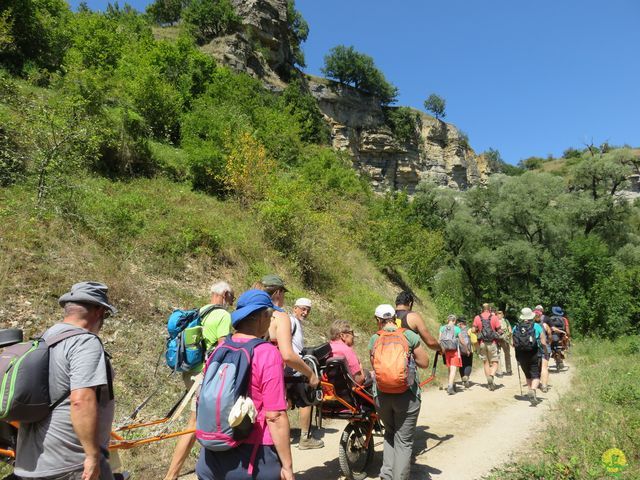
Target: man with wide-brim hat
{"x":528,"y":337}
{"x":74,"y":439}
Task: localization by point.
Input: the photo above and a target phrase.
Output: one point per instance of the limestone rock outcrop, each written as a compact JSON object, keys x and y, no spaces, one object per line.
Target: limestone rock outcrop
{"x":358,"y":126}
{"x":262,"y":49}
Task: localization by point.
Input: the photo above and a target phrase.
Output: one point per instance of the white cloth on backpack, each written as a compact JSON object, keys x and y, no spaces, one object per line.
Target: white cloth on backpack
{"x":244,"y":406}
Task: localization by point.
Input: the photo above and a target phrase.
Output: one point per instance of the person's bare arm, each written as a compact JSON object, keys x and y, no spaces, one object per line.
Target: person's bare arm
{"x":543,"y":338}
{"x":290,"y":357}
{"x":84,"y":418}
{"x":278,"y":425}
{"x":421,"y":357}
{"x":416,"y":323}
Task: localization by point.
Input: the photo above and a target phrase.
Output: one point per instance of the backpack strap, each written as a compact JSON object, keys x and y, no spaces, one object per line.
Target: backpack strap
{"x":55,"y":339}
{"x":208,"y":310}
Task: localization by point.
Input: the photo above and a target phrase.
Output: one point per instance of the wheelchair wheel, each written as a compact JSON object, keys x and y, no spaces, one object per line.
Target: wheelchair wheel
{"x":353,"y":456}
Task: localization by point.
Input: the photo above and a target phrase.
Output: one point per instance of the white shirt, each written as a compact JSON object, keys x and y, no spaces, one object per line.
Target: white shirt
{"x":297,"y":340}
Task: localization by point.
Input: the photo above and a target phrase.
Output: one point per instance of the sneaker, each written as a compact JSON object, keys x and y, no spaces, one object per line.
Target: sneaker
{"x":544,"y":388}
{"x":451,"y":389}
{"x":490,"y":383}
{"x":310,"y":443}
{"x":466,"y":382}
{"x":531,"y":395}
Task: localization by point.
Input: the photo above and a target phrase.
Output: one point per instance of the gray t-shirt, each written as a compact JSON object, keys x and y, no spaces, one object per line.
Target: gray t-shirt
{"x":51,"y":447}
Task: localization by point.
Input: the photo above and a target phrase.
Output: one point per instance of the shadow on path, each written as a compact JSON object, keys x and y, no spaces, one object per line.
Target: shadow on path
{"x":421,"y":438}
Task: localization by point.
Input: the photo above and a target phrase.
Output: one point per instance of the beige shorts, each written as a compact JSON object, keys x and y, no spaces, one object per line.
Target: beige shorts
{"x":488,"y":352}
{"x":189,"y":378}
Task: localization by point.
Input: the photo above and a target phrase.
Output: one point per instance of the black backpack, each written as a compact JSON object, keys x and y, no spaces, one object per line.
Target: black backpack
{"x":524,"y":337}
{"x":557,"y":321}
{"x":487,"y":334}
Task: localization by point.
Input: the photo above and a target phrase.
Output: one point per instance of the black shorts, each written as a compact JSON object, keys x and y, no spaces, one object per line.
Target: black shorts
{"x":529,"y":363}
{"x":295,"y":390}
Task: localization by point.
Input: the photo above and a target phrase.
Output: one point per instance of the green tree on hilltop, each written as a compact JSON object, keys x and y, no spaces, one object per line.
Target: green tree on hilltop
{"x":436,"y":105}
{"x":350,"y":67}
{"x":165,"y":11}
{"x":211,"y":18}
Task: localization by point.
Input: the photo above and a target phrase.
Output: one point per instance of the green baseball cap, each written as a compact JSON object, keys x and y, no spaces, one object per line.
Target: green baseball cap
{"x":273,"y":280}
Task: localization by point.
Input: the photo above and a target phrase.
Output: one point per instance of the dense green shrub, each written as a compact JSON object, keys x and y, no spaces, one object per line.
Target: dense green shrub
{"x":124,"y":150}
{"x":304,"y":109}
{"x":38,"y":30}
{"x":405,"y":123}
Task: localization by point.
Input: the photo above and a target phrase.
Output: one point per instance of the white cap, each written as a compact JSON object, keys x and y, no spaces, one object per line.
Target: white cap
{"x":385,"y":311}
{"x":539,"y":307}
{"x":302,"y":302}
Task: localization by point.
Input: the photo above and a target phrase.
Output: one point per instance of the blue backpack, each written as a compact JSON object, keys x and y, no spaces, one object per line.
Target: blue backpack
{"x":227,"y":377}
{"x":185,"y":345}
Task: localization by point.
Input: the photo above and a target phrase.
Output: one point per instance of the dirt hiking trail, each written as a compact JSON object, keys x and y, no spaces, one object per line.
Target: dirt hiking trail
{"x":461,"y":436}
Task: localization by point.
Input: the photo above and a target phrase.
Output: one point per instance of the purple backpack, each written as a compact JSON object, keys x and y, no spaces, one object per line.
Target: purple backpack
{"x":227,"y":376}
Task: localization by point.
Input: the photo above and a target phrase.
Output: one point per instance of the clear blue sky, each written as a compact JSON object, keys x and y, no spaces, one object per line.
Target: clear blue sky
{"x":527,"y":78}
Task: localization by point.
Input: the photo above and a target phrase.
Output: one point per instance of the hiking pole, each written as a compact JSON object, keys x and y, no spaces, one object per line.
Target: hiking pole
{"x":433,"y":370}
{"x":519,"y":379}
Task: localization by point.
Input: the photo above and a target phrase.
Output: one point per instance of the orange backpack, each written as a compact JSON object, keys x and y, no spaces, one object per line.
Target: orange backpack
{"x":391,"y":361}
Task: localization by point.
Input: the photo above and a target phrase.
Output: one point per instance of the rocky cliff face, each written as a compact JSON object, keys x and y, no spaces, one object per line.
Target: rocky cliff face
{"x":358,"y":126}
{"x":357,"y":121}
{"x":262,"y":49}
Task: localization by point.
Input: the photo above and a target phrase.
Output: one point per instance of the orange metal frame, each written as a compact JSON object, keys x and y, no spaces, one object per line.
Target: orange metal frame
{"x":118,"y":441}
{"x":359,"y":390}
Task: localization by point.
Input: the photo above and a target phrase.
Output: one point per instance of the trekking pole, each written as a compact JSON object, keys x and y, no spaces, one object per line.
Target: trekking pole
{"x":433,"y":370}
{"x":519,"y":379}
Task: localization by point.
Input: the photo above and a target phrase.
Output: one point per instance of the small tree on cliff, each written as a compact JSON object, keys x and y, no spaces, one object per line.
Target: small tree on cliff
{"x":208,"y":19}
{"x":436,"y":105}
{"x":298,"y":33}
{"x":348,"y":66}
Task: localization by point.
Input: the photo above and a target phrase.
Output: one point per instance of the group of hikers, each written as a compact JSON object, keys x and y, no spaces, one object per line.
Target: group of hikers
{"x":239,"y":410}
{"x":535,"y":339}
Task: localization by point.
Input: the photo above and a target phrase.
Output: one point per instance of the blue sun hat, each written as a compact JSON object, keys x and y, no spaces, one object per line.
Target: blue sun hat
{"x":557,"y":311}
{"x":249,"y":302}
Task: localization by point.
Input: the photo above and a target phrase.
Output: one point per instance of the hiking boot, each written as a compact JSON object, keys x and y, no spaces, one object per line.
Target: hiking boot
{"x":544,"y":388}
{"x":466,"y":382}
{"x":309,"y":443}
{"x":451,"y":389}
{"x":491,"y":384}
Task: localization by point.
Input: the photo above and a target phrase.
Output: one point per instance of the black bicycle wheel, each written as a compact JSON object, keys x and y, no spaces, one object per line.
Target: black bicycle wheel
{"x":353,"y":455}
{"x":10,"y":336}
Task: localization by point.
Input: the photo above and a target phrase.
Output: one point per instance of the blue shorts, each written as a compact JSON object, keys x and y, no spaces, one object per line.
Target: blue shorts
{"x":233,"y":464}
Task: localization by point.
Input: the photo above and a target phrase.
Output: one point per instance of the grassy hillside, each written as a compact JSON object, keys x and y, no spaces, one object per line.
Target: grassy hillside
{"x":158,"y":245}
